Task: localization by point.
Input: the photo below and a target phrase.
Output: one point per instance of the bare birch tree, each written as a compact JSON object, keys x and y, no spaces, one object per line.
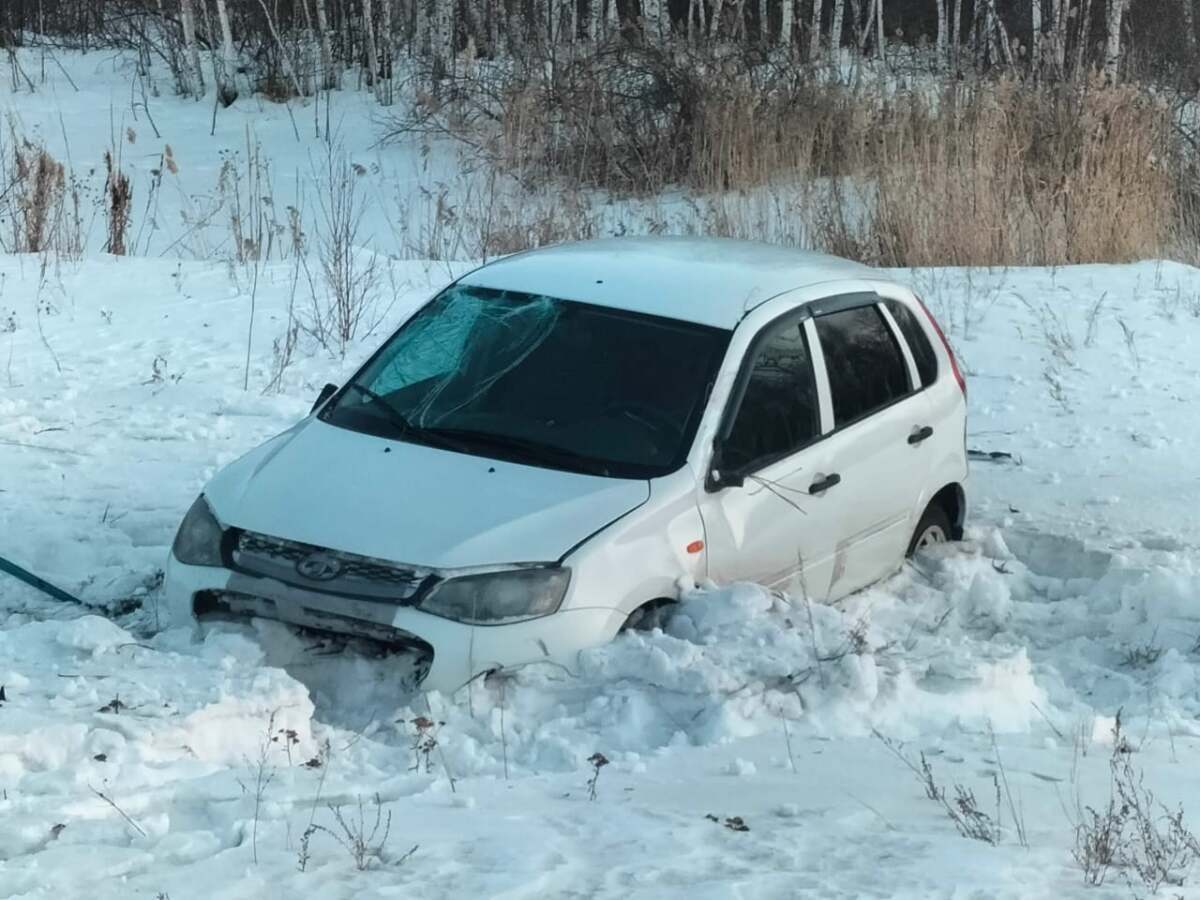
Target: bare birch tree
{"x":1084,"y":35}
{"x":1035,"y":45}
{"x":443,"y":36}
{"x":943,"y":36}
{"x":371,"y":63}
{"x":329,"y":75}
{"x":1113,"y":19}
{"x":387,"y":54}
{"x":814,"y":37}
{"x":1056,"y":37}
{"x":1189,"y":24}
{"x":492,"y":11}
{"x":422,"y":28}
{"x":956,"y":32}
{"x":194,"y":81}
{"x":569,"y":26}
{"x":864,"y":32}
{"x":653,"y":20}
{"x":226,"y":89}
{"x":994,"y":36}
{"x":879,"y":41}
{"x":835,"y":27}
{"x":595,"y":20}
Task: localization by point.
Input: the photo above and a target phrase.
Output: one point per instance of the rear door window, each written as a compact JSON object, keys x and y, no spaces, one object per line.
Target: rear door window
{"x":778,"y":413}
{"x":866,"y":367}
{"x":918,"y":343}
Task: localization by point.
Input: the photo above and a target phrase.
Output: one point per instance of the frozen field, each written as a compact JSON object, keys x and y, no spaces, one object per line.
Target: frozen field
{"x":142,"y":764}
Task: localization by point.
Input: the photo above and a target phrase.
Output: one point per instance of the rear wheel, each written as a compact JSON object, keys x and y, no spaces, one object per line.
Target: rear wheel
{"x":933,"y":529}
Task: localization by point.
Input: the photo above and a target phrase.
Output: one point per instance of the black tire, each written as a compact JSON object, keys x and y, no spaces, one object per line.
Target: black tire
{"x":650,"y":615}
{"x":934,"y":528}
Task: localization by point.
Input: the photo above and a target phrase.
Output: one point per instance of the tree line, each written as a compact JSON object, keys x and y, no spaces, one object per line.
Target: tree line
{"x":289,"y":47}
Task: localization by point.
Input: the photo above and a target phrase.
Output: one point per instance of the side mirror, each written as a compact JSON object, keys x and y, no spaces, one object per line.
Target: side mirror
{"x":326,"y":392}
{"x":720,"y":478}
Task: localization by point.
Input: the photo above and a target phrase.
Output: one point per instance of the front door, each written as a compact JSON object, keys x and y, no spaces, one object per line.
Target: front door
{"x":763,"y":521}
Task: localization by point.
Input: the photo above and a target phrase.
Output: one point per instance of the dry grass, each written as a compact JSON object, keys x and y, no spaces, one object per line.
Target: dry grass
{"x":999,"y":173}
{"x":39,"y":202}
{"x":118,"y":194}
{"x":975,"y":172}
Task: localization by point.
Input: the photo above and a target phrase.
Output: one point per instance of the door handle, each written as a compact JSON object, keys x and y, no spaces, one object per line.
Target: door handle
{"x":923,"y":433}
{"x":823,"y":484}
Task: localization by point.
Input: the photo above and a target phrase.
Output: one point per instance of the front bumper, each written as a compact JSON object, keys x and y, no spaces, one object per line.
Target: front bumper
{"x":460,"y":651}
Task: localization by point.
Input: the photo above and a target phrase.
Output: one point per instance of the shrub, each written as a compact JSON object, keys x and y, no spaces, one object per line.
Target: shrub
{"x":1135,"y":833}
{"x":973,"y":172}
{"x":32,"y":198}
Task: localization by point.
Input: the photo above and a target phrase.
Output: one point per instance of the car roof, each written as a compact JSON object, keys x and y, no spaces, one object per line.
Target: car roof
{"x":710,"y":281}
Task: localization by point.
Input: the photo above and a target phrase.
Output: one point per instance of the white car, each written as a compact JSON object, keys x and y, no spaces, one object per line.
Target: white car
{"x":563,"y":441}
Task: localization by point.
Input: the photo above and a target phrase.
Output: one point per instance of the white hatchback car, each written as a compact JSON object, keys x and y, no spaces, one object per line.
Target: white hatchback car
{"x":563,"y":441}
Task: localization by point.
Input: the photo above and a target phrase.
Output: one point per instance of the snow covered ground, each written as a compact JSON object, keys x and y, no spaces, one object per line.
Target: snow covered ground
{"x":140,"y":764}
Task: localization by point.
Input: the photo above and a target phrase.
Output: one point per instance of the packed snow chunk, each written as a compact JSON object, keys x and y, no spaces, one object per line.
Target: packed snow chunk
{"x":1153,"y":596}
{"x":45,"y":749}
{"x":998,"y":693}
{"x":13,"y":681}
{"x":92,"y":633}
{"x":231,"y":649}
{"x":260,"y":707}
{"x":740,"y":767}
{"x":181,"y":847}
{"x":1057,"y":556}
{"x":40,"y":641}
{"x":993,"y":545}
{"x":704,"y":613}
{"x":11,"y":767}
{"x":1175,"y":675}
{"x":989,"y":599}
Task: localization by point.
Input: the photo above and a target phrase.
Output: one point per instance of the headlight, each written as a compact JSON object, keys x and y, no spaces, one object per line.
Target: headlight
{"x":198,"y":542}
{"x":499,"y":597}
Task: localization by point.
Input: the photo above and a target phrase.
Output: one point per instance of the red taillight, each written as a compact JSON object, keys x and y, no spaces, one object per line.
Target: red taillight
{"x":958,"y":375}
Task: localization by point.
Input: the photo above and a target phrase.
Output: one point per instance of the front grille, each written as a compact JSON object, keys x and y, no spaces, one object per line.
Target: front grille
{"x":358,"y":576}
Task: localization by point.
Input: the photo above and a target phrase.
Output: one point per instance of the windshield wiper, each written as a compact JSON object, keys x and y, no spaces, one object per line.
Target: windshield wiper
{"x":528,"y":450}
{"x":407,"y":428}
{"x":398,"y":418}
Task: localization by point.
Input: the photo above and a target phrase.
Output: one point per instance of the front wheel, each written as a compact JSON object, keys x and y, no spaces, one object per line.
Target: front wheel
{"x":933,"y":529}
{"x":650,"y":616}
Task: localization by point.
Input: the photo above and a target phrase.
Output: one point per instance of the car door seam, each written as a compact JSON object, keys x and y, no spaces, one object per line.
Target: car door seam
{"x":608,"y":524}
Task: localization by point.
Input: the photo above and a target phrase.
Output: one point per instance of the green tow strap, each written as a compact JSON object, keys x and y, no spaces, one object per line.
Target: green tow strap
{"x":38,"y":583}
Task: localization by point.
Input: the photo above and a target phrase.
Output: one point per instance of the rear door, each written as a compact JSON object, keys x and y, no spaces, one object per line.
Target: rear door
{"x":878,"y":444}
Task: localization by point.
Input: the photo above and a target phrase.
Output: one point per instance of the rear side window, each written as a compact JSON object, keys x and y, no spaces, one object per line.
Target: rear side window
{"x":866,"y":368}
{"x":779,"y":412}
{"x":918,"y":343}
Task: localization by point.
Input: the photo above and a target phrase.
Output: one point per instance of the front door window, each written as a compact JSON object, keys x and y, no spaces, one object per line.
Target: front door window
{"x":779,"y":413}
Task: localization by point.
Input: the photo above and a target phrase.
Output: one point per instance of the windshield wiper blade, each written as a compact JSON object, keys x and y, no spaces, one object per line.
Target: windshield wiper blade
{"x":398,"y":418}
{"x":530,"y":450}
{"x":407,"y":428}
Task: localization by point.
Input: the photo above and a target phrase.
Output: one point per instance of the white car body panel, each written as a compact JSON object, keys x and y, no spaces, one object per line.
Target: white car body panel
{"x":825,"y":546}
{"x":627,"y":542}
{"x":877,"y":499}
{"x":409,"y":503}
{"x":772,"y":531}
{"x":703,"y":280}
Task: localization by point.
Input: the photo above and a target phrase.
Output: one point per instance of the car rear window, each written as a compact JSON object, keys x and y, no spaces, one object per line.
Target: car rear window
{"x":866,"y":368}
{"x":918,"y":343}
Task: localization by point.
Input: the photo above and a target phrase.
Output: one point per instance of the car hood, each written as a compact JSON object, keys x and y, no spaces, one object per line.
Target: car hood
{"x":409,"y":503}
